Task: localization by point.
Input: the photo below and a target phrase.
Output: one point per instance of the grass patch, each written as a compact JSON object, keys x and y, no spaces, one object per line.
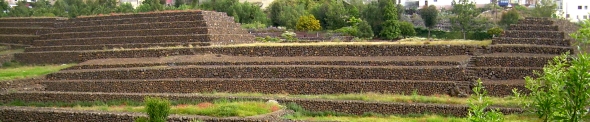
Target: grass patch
{"x":410,"y":41}
{"x":379,"y":97}
{"x":217,"y":108}
{"x":17,"y":71}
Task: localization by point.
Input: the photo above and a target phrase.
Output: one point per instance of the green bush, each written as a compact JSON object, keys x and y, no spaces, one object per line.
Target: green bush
{"x":349,"y":31}
{"x":289,"y":36}
{"x":407,"y":29}
{"x":158,"y":109}
{"x":391,"y":30}
{"x":561,"y":93}
{"x":496,"y":31}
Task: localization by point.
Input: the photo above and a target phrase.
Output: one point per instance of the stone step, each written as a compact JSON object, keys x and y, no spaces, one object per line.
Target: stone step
{"x":254,"y":51}
{"x":113,"y":46}
{"x":144,"y":32}
{"x":532,"y":49}
{"x":150,"y":25}
{"x":18,"y":39}
{"x":534,"y":34}
{"x":532,"y":41}
{"x":511,"y":60}
{"x":195,"y":17}
{"x":344,"y":106}
{"x":436,"y":73}
{"x":503,"y":73}
{"x":218,"y":59}
{"x":257,"y":85}
{"x":28,"y":24}
{"x":24,"y":30}
{"x":532,"y":27}
{"x":536,"y":21}
{"x":189,"y":38}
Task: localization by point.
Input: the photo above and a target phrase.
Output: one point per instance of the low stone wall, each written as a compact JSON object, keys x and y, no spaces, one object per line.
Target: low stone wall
{"x":529,"y":49}
{"x":533,"y":27}
{"x":534,"y":34}
{"x":256,"y":71}
{"x":266,"y":86}
{"x":146,"y":32}
{"x":154,"y":25}
{"x":351,"y":107}
{"x":352,"y":63}
{"x":114,"y":46}
{"x":538,"y":21}
{"x":502,"y":90}
{"x":217,"y":39}
{"x":534,"y":41}
{"x":149,"y":14}
{"x":27,"y":24}
{"x":497,"y":61}
{"x":275,"y":51}
{"x":503,"y":73}
{"x":24,"y":31}
{"x":28,"y":114}
{"x":21,"y":40}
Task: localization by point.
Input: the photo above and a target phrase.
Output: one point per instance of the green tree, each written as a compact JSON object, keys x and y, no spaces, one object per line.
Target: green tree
{"x":478,"y":103}
{"x":150,"y":5}
{"x":510,"y":17}
{"x":178,"y":3}
{"x":544,"y":8}
{"x":336,"y":15}
{"x":285,"y":13}
{"x":390,"y":30}
{"x":364,"y":30}
{"x":308,"y":23}
{"x":582,"y":36}
{"x":21,"y":10}
{"x":407,"y":29}
{"x":465,"y":15}
{"x":430,"y":17}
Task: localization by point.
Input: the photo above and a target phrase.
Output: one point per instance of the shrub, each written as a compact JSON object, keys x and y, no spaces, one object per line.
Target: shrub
{"x":364,"y":30}
{"x":407,"y":29}
{"x":349,"y":31}
{"x":289,"y":36}
{"x":308,"y":23}
{"x":157,"y":109}
{"x":478,"y":104}
{"x":254,"y":25}
{"x":510,"y":17}
{"x":561,"y":92}
{"x":495,"y":31}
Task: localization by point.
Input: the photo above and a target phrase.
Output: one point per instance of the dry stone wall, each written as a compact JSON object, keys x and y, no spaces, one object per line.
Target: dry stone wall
{"x":351,"y":107}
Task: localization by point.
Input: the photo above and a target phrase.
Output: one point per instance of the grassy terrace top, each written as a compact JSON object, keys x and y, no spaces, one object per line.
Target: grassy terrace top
{"x":401,"y":42}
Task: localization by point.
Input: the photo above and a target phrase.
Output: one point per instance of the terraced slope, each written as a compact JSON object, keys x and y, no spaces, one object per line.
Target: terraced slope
{"x":525,"y":47}
{"x":22,"y":31}
{"x":136,"y":31}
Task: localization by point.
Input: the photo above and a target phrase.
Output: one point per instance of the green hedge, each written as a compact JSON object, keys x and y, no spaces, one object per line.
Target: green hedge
{"x":422,"y":32}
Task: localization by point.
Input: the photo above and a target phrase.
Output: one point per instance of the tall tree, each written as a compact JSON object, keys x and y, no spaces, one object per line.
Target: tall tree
{"x":429,"y":15}
{"x":391,"y":27}
{"x":464,"y":18}
{"x":336,"y":15}
{"x":544,"y":8}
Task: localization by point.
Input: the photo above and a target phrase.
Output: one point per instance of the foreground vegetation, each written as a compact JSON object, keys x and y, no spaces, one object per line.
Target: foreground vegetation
{"x":13,"y":71}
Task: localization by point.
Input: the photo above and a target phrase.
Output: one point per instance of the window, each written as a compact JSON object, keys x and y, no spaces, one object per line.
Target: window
{"x":435,"y":0}
{"x":580,"y":7}
{"x":567,"y":16}
{"x":585,"y":16}
{"x":586,"y":7}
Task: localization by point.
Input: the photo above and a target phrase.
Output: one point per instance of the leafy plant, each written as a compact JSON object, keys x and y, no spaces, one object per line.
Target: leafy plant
{"x":289,"y":36}
{"x":478,"y":104}
{"x":407,"y":29}
{"x":308,"y":23}
{"x":496,"y":31}
{"x":158,"y":109}
{"x":561,"y":92}
{"x":430,"y":16}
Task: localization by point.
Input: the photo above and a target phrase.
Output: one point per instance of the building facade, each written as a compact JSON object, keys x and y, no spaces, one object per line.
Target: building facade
{"x":573,"y":10}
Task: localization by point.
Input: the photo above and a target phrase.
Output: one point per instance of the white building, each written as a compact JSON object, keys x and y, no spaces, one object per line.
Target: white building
{"x":573,"y":10}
